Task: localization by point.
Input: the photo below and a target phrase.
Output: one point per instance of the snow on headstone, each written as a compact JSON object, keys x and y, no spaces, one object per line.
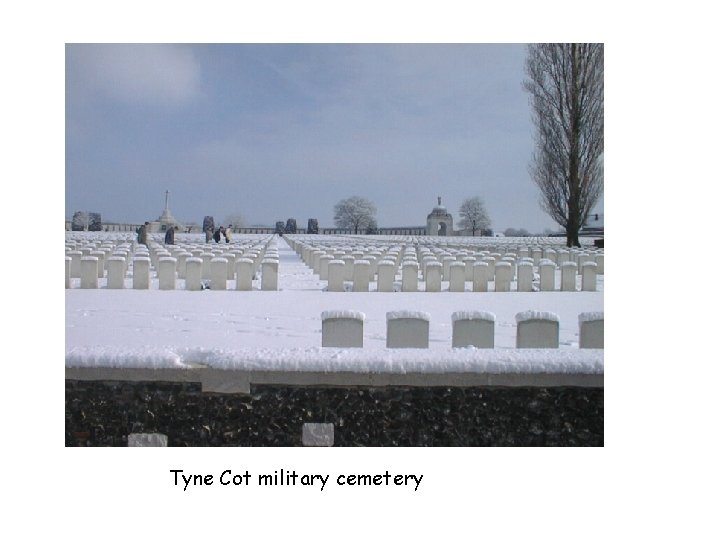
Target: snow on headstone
{"x":410,"y":276}
{"x":547,"y":275}
{"x":361,"y":276}
{"x":537,"y":330}
{"x":342,"y":328}
{"x":568,"y":274}
{"x":386,"y":276}
{"x":433,"y":276}
{"x":503,"y":276}
{"x":473,"y":329}
{"x":193,"y":274}
{"x":592,"y":330}
{"x":524,"y":277}
{"x":336,"y":275}
{"x":116,"y":273}
{"x":456,"y":277}
{"x":141,"y":273}
{"x":589,"y":276}
{"x":166,"y":273}
{"x":408,"y":329}
{"x":269,"y":280}
{"x":218,"y":273}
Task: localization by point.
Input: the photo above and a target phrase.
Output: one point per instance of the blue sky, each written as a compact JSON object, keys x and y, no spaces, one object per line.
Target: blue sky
{"x":277,"y":131}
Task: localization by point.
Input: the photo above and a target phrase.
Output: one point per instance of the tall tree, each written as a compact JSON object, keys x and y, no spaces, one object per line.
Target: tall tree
{"x":566,"y":86}
{"x":473,"y":216}
{"x":354,"y":213}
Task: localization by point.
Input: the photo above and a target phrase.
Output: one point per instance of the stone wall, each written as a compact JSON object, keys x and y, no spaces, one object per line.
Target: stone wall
{"x":104,"y":413}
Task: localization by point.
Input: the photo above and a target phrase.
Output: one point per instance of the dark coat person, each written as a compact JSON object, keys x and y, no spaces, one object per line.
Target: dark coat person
{"x":216,"y":235}
{"x":142,"y":234}
{"x":170,"y":236}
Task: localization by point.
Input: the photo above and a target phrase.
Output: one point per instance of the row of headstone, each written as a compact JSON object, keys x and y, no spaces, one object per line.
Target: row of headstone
{"x":456,"y":268}
{"x":483,"y":274}
{"x":207,"y":270}
{"x":411,"y":329}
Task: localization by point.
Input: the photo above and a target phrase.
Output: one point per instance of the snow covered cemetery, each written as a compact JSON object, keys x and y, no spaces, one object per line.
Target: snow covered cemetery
{"x":282,"y":315}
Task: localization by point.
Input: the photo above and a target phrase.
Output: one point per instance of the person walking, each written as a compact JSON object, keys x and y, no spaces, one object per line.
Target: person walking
{"x":170,"y":236}
{"x":143,"y":233}
{"x":217,"y":234}
{"x":208,"y":234}
{"x":227,"y":232}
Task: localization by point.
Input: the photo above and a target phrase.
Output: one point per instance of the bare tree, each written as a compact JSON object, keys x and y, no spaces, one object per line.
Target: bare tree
{"x":473,"y":216}
{"x":354,"y":213}
{"x":566,"y":85}
{"x":235,"y":219}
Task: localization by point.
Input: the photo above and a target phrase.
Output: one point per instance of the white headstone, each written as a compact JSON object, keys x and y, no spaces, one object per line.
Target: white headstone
{"x":342,"y":328}
{"x":592,"y":330}
{"x":166,"y":273}
{"x":537,"y":330}
{"x":408,"y":329}
{"x":473,"y":329}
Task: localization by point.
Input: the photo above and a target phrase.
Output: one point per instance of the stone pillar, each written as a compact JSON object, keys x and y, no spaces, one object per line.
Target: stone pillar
{"x":349,"y":267}
{"x":536,"y":255}
{"x":547,"y":275}
{"x":101,"y":262}
{"x":589,"y":279}
{"x":457,"y":277}
{"x":568,"y":274}
{"x":269,"y":275}
{"x":193,"y":274}
{"x":480,"y":276}
{"x":116,"y":273}
{"x":503,"y":274}
{"x":230,"y":267}
{"x":600,"y":261}
{"x":324,"y":261}
{"x":206,"y":258}
{"x":563,"y":256}
{"x":75,"y":265}
{"x":361,"y":275}
{"x":336,"y":276}
{"x":491,"y":267}
{"x":182,"y":258}
{"x":446,"y":260}
{"x":166,"y":273}
{"x":218,"y":273}
{"x":582,"y":258}
{"x":525,"y":277}
{"x":410,"y":277}
{"x":68,"y":262}
{"x":433,"y":279}
{"x":141,"y":273}
{"x":592,"y":330}
{"x":386,"y":276}
{"x":89,"y":272}
{"x":469,"y":270}
{"x":244,"y":273}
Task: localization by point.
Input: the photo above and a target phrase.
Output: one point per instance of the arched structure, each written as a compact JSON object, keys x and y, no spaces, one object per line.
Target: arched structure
{"x":439,"y":221}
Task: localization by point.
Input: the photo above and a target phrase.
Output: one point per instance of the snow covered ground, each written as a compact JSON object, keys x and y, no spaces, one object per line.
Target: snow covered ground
{"x":114,"y":326}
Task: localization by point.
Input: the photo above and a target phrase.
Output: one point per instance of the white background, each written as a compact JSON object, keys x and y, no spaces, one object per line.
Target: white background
{"x":658,"y":471}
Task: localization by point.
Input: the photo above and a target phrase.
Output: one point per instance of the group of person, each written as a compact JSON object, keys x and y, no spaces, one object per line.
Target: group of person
{"x":211,"y":233}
